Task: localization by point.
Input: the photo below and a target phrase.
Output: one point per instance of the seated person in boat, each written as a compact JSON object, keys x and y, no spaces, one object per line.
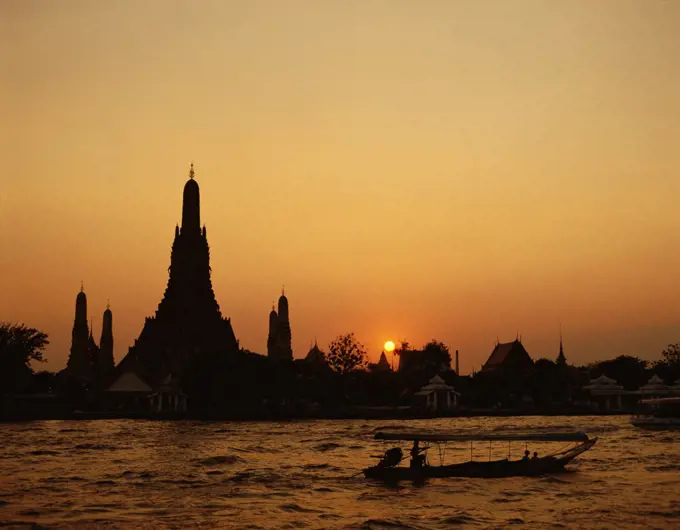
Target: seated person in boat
{"x":526,"y":455}
{"x":417,"y":460}
{"x":535,"y":457}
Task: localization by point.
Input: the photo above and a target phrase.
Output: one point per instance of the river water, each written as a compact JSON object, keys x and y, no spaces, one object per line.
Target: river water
{"x":176,"y":474}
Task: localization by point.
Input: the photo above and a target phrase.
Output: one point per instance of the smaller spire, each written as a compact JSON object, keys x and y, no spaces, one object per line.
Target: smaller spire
{"x":191,"y":171}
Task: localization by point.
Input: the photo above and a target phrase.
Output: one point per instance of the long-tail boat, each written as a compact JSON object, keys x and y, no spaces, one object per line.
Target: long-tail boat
{"x":388,"y":468}
{"x":661,"y":414}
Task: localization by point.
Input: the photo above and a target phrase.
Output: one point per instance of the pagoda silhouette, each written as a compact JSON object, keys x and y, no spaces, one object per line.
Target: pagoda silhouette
{"x":188,"y":322}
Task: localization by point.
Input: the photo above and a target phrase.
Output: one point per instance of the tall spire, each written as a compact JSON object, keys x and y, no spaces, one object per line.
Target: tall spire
{"x":191,"y":205}
{"x":78,"y":361}
{"x":561,"y":358}
{"x":106,"y":361}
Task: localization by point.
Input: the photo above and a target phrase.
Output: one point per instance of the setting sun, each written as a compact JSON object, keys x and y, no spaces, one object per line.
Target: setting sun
{"x":389,"y":346}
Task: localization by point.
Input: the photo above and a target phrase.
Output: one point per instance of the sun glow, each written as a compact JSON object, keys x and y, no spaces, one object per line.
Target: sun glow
{"x":389,"y":346}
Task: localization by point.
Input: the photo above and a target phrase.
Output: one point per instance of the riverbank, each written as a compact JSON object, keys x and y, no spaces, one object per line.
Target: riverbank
{"x":51,"y":410}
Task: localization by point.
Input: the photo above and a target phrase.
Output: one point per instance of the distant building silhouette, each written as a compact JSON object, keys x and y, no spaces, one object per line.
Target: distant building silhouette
{"x":509,"y":355}
{"x":561,"y":359}
{"x":315,"y":355}
{"x":188,"y":321}
{"x":383,"y":365}
{"x":279,"y":338}
{"x":86,"y":359}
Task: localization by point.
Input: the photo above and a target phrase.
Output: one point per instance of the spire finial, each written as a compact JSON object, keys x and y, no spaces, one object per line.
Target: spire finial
{"x":191,"y":171}
{"x":283,"y":290}
{"x":81,"y":286}
{"x":108,"y":303}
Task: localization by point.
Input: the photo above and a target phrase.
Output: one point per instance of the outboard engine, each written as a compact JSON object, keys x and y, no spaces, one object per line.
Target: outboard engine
{"x":391,"y":458}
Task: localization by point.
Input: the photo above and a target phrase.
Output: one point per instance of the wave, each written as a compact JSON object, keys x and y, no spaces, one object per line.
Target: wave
{"x":94,"y":447}
{"x":219,"y":460}
{"x":370,"y":524}
{"x":327,"y":447}
{"x":297,"y":508}
{"x":460,"y":519}
{"x":663,"y":467}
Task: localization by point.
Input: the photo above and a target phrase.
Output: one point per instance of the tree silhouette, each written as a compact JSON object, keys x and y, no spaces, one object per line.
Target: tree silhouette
{"x":19,"y":345}
{"x":346,"y":354}
{"x":671,"y":354}
{"x":436,"y":357}
{"x":628,"y":371}
{"x":669,"y":366}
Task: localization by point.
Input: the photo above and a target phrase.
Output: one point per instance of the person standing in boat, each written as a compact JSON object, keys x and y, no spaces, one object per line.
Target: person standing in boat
{"x":417,"y":460}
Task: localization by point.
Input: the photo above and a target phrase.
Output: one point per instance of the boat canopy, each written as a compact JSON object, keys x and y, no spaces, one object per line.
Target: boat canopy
{"x":489,"y":437}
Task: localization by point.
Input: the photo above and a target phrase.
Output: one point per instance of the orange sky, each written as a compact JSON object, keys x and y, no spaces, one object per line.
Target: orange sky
{"x":408,"y":169}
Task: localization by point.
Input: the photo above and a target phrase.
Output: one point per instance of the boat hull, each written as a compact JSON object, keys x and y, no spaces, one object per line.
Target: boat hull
{"x":494,"y":469}
{"x":656,"y":423}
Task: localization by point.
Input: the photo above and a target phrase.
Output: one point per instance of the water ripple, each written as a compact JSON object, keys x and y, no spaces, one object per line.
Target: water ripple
{"x":304,"y":474}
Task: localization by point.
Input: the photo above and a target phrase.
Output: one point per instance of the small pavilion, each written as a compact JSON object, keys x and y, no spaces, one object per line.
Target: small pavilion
{"x":606,"y":391}
{"x":128,"y":392}
{"x":438,"y":395}
{"x":655,"y":387}
{"x":169,"y":397}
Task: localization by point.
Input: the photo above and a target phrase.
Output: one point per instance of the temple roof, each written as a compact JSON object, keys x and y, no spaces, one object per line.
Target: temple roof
{"x":506,"y":352}
{"x":315,"y":354}
{"x":655,"y":384}
{"x":603,"y":383}
{"x":383,"y":365}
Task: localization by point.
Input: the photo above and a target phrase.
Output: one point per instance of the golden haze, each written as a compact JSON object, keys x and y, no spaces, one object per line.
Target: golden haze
{"x":452,"y":170}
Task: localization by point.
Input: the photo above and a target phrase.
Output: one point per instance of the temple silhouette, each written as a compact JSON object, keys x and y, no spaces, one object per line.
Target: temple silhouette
{"x":86,"y":360}
{"x":509,"y":356}
{"x":188,"y":322}
{"x":279,"y":338}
